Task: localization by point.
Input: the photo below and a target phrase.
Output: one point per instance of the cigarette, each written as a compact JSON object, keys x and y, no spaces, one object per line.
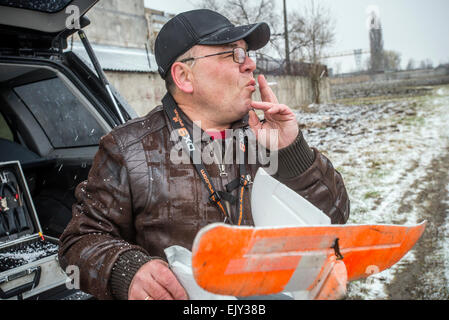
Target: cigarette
{"x":270,"y":84}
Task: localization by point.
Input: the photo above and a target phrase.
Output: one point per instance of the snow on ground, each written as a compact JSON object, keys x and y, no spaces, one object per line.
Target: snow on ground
{"x":381,"y":149}
{"x":444,"y":240}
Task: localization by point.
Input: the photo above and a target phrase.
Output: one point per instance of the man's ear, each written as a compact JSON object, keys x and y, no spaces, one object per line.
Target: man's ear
{"x":182,"y":77}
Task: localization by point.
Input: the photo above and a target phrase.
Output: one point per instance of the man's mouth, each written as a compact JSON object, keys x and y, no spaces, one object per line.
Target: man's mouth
{"x":252,"y":84}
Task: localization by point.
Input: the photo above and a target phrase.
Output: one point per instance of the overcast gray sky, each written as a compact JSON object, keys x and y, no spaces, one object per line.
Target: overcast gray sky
{"x":417,"y":29}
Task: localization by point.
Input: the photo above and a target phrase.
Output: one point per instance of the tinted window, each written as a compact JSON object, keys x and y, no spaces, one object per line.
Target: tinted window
{"x":65,"y":120}
{"x":5,"y":131}
{"x":49,"y":6}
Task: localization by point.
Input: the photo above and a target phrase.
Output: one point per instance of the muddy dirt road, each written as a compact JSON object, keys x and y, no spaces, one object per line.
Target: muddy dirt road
{"x":393,"y":154}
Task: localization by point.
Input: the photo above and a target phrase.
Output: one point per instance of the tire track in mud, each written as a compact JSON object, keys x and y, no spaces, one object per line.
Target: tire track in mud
{"x":425,"y":278}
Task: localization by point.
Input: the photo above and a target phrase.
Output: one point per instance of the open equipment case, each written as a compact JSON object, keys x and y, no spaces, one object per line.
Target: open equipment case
{"x":28,"y":259}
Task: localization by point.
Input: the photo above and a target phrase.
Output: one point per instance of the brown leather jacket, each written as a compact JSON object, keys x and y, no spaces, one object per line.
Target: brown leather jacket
{"x":136,"y":202}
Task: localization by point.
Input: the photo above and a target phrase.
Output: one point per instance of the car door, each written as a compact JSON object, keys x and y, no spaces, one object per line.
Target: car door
{"x":55,"y":105}
{"x":39,"y":29}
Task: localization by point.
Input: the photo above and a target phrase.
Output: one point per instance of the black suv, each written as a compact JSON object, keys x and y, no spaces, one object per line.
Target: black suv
{"x":54,"y":108}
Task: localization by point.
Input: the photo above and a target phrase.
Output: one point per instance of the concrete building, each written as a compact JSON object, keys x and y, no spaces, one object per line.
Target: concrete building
{"x":119,"y":36}
{"x":118,"y":23}
{"x":155,"y":20}
{"x":377,"y":63}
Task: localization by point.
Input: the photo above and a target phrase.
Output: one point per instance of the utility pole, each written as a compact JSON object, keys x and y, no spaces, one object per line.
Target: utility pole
{"x":287,"y":47}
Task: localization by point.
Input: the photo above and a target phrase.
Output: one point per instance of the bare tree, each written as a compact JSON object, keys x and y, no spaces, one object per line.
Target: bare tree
{"x":338,"y":67}
{"x":392,"y":60}
{"x":314,"y":33}
{"x":411,"y":64}
{"x":310,"y":33}
{"x":244,"y":12}
{"x":429,"y":63}
{"x":252,"y":11}
{"x":422,"y":65}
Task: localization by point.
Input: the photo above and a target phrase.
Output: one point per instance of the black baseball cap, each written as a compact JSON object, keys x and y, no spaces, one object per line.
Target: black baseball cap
{"x":205,"y":27}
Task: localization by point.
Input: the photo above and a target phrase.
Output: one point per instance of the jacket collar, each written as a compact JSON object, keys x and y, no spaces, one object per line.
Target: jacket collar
{"x":168,"y":101}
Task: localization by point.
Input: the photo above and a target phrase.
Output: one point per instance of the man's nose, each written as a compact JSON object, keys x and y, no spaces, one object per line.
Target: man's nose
{"x":248,"y":66}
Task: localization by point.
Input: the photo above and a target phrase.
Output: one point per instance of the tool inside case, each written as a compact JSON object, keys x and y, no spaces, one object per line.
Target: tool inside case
{"x":21,"y":240}
{"x":15,"y":218}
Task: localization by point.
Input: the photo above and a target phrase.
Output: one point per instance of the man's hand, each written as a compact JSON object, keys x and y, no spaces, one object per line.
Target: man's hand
{"x":155,"y":281}
{"x":280,"y":128}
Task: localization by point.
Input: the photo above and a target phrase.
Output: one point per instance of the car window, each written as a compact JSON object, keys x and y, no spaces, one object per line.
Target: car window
{"x":5,"y":131}
{"x":65,"y":120}
{"x":37,"y":5}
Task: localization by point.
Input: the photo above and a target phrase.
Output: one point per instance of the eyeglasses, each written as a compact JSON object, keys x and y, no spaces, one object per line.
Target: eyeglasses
{"x":239,"y":55}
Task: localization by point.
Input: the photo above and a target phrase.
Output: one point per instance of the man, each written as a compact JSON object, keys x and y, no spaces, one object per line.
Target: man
{"x":137,"y":201}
